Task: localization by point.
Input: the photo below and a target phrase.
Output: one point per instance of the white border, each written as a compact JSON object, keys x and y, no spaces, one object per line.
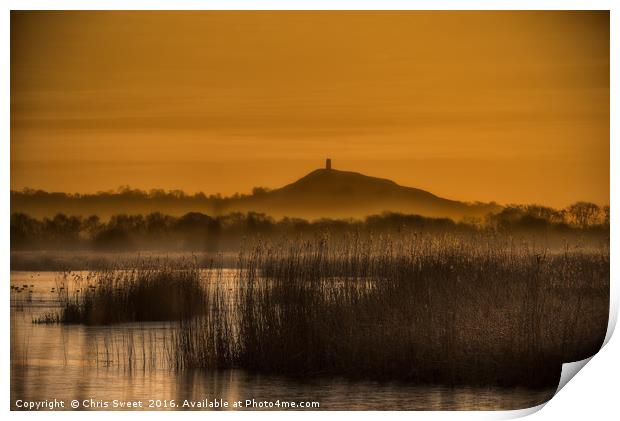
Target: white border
{"x":593,"y":395}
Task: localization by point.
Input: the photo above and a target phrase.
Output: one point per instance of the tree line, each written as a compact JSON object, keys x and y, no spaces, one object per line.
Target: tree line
{"x":199,"y":231}
{"x":129,"y":200}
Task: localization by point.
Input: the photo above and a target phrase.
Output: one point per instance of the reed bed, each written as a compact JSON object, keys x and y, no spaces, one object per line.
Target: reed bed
{"x":477,"y":310}
{"x":145,"y":293}
{"x":443,"y":310}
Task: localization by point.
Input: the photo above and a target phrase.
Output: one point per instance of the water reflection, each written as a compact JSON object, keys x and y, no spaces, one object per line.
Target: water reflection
{"x":90,"y":363}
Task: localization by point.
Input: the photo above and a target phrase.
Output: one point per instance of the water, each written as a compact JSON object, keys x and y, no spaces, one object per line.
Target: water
{"x":93,"y":364}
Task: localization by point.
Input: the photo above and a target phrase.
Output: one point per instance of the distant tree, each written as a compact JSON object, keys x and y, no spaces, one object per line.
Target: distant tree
{"x":258,"y":191}
{"x":157,"y":224}
{"x":128,"y":223}
{"x":584,"y":214}
{"x":157,"y":193}
{"x":91,"y":226}
{"x":543,"y":212}
{"x":24,"y":230}
{"x":258,"y":223}
{"x":177,"y":194}
{"x":62,"y":228}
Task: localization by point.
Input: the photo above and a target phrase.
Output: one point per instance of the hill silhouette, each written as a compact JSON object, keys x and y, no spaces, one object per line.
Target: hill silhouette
{"x":343,"y":194}
{"x":323,"y":193}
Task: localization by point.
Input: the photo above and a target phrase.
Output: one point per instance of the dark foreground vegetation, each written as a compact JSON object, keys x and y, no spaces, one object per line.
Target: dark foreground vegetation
{"x":441,"y":309}
{"x":437,"y":310}
{"x":200,"y":232}
{"x":145,"y":293}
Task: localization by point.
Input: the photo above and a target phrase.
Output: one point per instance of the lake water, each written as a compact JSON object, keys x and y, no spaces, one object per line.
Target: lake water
{"x":90,"y":364}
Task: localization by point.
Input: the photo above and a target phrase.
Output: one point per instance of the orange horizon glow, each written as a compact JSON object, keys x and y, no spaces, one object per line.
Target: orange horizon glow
{"x":511,"y":107}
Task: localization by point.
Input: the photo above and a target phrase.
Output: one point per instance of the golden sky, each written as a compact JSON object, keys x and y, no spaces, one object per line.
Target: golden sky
{"x":504,"y":106}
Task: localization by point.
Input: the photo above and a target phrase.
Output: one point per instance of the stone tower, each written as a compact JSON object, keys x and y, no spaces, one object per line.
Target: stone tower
{"x":328,"y":164}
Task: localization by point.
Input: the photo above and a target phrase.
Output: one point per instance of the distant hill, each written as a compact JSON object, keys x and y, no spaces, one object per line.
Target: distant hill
{"x":342,"y":194}
{"x":322,"y":193}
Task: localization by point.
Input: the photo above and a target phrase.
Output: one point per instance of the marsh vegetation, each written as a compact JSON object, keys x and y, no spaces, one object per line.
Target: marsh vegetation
{"x":148,"y":292}
{"x":442,"y":309}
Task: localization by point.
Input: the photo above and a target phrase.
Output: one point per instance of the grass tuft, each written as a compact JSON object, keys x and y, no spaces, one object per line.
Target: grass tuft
{"x":146,"y":293}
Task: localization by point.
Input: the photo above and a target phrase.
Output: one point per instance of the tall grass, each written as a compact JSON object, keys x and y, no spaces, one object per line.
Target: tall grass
{"x":434,"y":309}
{"x":477,"y":310}
{"x":145,"y":293}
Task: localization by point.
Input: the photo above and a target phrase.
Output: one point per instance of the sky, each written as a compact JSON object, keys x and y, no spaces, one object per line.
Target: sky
{"x":511,"y":107}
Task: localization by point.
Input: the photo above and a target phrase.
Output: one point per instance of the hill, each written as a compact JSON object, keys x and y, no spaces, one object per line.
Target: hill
{"x":323,"y":193}
{"x":343,"y":194}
